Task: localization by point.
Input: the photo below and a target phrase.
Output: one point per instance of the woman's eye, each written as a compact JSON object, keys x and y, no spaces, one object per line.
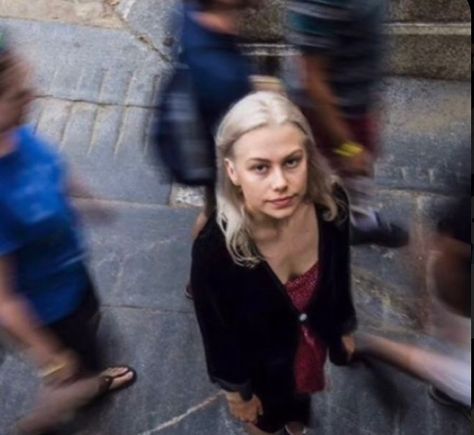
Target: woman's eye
{"x":260,"y":169}
{"x":292,"y":163}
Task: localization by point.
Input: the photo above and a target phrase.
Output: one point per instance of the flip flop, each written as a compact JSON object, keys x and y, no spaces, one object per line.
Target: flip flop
{"x":107,"y":380}
{"x":445,"y":400}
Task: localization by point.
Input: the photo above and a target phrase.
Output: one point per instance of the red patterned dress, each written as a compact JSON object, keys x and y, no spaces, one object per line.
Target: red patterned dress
{"x":311,"y":353}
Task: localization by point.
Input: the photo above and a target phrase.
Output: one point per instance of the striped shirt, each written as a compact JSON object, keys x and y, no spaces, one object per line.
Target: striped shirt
{"x":349,"y":34}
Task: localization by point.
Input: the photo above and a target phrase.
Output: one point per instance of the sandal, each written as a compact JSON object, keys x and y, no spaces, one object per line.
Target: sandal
{"x":106,"y":380}
{"x":445,"y":400}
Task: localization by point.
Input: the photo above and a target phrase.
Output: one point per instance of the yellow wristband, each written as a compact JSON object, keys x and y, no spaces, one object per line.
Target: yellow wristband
{"x":349,"y":149}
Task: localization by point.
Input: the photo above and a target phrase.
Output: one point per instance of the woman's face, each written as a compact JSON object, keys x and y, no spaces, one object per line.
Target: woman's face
{"x":15,"y":97}
{"x":270,"y":165}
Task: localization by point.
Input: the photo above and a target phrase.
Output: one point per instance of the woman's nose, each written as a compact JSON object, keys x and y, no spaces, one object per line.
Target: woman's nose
{"x":279,"y":181}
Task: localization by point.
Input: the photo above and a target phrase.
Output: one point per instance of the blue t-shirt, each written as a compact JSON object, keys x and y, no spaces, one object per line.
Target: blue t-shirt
{"x":39,"y":229}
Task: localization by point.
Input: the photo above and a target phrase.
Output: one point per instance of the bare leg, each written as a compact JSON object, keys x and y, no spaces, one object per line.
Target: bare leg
{"x":448,"y":374}
{"x":56,"y":405}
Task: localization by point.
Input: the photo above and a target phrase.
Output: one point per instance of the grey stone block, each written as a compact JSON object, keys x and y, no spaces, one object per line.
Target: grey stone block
{"x":53,"y":119}
{"x":426,"y":136}
{"x":146,"y":184}
{"x":78,"y":130}
{"x":152,"y":20}
{"x":106,"y":133}
{"x":143,"y":258}
{"x":431,"y":51}
{"x":97,"y":65}
{"x":429,"y":10}
{"x":426,"y":51}
{"x":267,"y":23}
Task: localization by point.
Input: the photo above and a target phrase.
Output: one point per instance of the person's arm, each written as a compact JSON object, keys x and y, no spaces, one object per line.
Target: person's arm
{"x":19,"y":322}
{"x":327,"y":114}
{"x":317,"y":83}
{"x":89,"y":203}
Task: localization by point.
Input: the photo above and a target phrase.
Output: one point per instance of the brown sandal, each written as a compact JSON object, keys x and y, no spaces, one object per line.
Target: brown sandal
{"x":106,"y":381}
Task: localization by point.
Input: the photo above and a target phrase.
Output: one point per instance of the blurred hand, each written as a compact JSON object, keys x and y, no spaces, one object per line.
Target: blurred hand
{"x":245,"y":411}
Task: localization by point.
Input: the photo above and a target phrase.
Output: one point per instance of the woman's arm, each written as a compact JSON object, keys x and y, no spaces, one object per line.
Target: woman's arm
{"x":225,"y":358}
{"x":18,"y":320}
{"x":345,"y":315}
{"x":89,"y":204}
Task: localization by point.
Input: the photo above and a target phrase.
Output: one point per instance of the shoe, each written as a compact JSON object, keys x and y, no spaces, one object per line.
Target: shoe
{"x":384,"y":234}
{"x":445,"y":400}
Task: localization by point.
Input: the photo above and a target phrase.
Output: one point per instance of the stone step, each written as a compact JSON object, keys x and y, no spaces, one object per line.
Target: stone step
{"x":266,"y":24}
{"x":434,"y":51}
{"x":429,"y":10}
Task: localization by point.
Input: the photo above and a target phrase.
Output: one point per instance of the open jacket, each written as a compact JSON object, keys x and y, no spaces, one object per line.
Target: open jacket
{"x":249,"y":326}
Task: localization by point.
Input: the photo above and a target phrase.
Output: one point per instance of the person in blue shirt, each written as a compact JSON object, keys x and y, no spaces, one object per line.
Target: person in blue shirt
{"x":48,"y":304}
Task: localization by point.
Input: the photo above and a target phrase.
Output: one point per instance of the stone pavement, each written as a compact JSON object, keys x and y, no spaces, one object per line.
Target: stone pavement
{"x":98,"y":65}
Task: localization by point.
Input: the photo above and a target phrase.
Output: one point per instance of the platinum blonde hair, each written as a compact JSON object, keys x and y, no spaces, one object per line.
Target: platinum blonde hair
{"x":257,"y":110}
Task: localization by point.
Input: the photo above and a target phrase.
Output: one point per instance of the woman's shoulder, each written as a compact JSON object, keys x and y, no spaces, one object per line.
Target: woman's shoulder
{"x":210,"y":243}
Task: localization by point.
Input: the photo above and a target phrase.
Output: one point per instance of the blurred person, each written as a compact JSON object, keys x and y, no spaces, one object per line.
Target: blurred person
{"x":220,"y":72}
{"x":335,"y":83}
{"x":220,"y":76}
{"x":447,"y":367}
{"x":48,"y":303}
{"x":271,"y":268}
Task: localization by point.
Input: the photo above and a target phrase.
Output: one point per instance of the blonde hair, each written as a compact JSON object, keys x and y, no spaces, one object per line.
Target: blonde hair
{"x":254,"y":111}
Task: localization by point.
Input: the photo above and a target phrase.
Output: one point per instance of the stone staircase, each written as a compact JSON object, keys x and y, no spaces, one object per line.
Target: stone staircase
{"x":97,"y":77}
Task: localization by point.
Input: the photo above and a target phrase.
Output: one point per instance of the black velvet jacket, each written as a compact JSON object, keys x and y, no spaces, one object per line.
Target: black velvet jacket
{"x":248,"y":323}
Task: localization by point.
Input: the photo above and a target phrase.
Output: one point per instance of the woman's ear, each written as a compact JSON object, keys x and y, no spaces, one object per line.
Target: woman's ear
{"x":232,"y":174}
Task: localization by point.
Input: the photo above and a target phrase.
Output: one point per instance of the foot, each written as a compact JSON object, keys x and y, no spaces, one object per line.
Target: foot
{"x":115,"y":378}
{"x":445,"y":400}
{"x":383,"y":233}
{"x":57,"y":405}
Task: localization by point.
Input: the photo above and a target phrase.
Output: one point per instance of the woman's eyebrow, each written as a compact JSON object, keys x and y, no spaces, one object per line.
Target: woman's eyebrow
{"x":258,"y":159}
{"x":263,"y":160}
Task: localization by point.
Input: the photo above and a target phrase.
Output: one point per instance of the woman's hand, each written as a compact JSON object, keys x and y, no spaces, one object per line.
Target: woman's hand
{"x":245,"y":411}
{"x":349,"y":346}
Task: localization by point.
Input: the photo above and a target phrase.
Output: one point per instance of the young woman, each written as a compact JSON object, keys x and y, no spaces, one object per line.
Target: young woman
{"x":48,"y":303}
{"x":270,"y":270}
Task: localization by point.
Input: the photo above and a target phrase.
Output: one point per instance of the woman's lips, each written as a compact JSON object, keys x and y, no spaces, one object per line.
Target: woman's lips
{"x":283,"y":202}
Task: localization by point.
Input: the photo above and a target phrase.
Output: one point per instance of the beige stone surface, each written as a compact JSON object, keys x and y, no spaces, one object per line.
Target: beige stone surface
{"x":86,"y":12}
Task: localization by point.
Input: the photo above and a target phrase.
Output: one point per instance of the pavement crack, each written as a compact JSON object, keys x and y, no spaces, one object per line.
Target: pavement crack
{"x":95,"y":103}
{"x":175,"y":420}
